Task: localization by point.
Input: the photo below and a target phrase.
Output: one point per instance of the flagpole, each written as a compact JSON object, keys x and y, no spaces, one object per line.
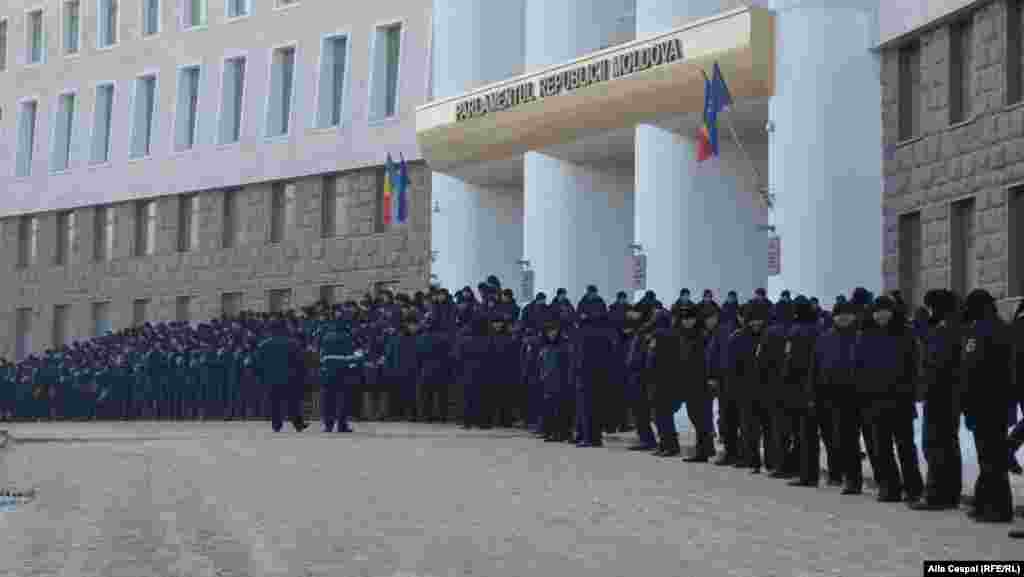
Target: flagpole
{"x":753,"y":167}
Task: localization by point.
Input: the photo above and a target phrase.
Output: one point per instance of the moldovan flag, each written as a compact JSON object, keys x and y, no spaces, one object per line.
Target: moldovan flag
{"x":706,"y":133}
{"x":387,"y":198}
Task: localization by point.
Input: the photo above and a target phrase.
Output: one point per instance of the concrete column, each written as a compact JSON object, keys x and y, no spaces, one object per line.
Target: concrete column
{"x":578,"y":225}
{"x":826,"y":166}
{"x":698,"y":223}
{"x":477,"y":230}
{"x":577,"y":218}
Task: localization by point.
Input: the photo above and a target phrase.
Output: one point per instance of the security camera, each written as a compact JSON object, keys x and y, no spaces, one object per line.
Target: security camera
{"x":769,"y":127}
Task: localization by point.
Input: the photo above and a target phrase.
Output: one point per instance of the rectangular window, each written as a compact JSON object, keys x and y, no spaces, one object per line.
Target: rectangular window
{"x":63,"y":131}
{"x":61,"y":325}
{"x":962,"y":258}
{"x":330,"y":294}
{"x":104,"y":234}
{"x":36,"y":40}
{"x":99,"y":148}
{"x":26,"y":138}
{"x":1016,"y":242}
{"x":67,"y":236}
{"x":334,"y":209}
{"x":183,"y":309}
{"x":194,"y":14}
{"x":101,"y":319}
{"x":23,"y":330}
{"x":279,"y":301}
{"x":187,"y":115}
{"x":28,"y":231}
{"x":188,"y":222}
{"x":333,"y":60}
{"x":231,"y":230}
{"x":144,"y":109}
{"x":150,"y":17}
{"x":232,"y":95}
{"x":140,"y":312}
{"x":279,"y":99}
{"x":386,"y":58}
{"x":910,"y":257}
{"x":1014,"y":51}
{"x":107,"y":19}
{"x":72,"y":16}
{"x":3,"y":44}
{"x":910,"y":91}
{"x":231,"y":304}
{"x":145,"y":227}
{"x":282,"y":209}
{"x":960,"y":71}
{"x":237,"y":8}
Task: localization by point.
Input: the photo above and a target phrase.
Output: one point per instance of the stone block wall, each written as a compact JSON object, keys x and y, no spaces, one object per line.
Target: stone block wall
{"x":981,"y":158}
{"x":361,"y":254}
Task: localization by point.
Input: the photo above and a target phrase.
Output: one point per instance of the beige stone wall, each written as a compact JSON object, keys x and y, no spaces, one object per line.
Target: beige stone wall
{"x":982,"y":157}
{"x":304,"y":261}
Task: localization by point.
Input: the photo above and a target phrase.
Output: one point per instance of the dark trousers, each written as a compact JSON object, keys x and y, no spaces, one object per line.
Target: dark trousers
{"x":558,"y":416}
{"x":941,"y":440}
{"x":434,"y":401}
{"x":472,"y":403}
{"x":640,"y":404}
{"x":810,"y":443}
{"x":335,"y":401}
{"x":892,"y":427}
{"x":756,"y":429}
{"x":992,"y":494}
{"x":701,"y":410}
{"x":729,"y":420}
{"x":853,"y":423}
{"x":827,"y":412}
{"x":283,"y":399}
{"x":784,"y":429}
{"x":588,"y":424}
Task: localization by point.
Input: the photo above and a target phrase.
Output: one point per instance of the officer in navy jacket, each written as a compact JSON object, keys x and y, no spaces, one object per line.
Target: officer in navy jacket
{"x":986,"y":374}
{"x":637,"y":333}
{"x":720,"y":332}
{"x":754,"y":369}
{"x":942,"y":403}
{"x":473,"y":351}
{"x":592,"y":355}
{"x":798,"y":418}
{"x":501,"y":387}
{"x":886,"y":370}
{"x":554,"y":373}
{"x":433,"y":347}
{"x":834,"y":376}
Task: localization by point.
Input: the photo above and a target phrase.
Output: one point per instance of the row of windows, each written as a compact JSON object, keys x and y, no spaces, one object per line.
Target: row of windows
{"x":231,"y":304}
{"x":964,"y":268}
{"x":192,"y":14}
{"x":961,"y":61}
{"x":143,"y":124}
{"x":281,"y":223}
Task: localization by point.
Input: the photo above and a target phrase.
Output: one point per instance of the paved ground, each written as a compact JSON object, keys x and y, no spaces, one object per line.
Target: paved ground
{"x":194,"y":499}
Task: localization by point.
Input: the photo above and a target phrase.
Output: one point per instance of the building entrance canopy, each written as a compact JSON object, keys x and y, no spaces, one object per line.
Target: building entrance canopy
{"x":622,"y":86}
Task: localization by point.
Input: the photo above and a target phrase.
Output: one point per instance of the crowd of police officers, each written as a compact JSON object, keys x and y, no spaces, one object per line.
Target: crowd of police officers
{"x":790,"y":378}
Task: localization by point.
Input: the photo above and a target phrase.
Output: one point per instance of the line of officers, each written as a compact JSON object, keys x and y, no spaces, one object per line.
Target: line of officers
{"x":787,"y":384}
{"x":155,"y":384}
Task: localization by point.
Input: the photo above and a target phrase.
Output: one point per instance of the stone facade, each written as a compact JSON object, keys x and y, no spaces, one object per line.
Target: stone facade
{"x":981,"y":158}
{"x":362,"y":254}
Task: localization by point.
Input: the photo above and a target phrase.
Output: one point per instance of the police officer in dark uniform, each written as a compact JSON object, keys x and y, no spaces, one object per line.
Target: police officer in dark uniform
{"x":942,"y":407}
{"x":276,"y":359}
{"x":340,"y":364}
{"x":986,"y":377}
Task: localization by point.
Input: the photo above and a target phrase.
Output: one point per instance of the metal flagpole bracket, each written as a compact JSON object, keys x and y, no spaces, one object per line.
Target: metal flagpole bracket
{"x":525,"y":264}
